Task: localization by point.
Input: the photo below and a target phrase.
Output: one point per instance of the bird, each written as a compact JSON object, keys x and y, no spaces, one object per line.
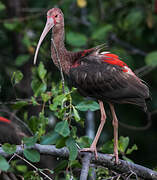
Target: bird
{"x":95,"y":73}
{"x":10,"y":132}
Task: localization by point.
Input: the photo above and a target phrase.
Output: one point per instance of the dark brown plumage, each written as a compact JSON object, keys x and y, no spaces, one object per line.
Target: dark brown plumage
{"x":96,"y":74}
{"x":10,"y":132}
{"x":108,"y":82}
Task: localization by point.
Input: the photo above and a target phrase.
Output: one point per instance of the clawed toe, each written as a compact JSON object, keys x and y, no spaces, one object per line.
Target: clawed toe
{"x":91,"y":149}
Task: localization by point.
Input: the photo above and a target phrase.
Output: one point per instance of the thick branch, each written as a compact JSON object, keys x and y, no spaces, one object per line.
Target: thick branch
{"x":103,"y":160}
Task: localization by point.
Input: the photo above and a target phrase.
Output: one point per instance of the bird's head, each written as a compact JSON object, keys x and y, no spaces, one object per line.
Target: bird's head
{"x":55,"y":19}
{"x":57,"y":16}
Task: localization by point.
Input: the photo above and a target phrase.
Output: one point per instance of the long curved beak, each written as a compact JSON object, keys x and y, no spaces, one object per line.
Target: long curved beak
{"x":48,"y":26}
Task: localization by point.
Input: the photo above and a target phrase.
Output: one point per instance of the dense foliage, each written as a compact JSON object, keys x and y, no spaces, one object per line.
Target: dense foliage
{"x":35,"y":93}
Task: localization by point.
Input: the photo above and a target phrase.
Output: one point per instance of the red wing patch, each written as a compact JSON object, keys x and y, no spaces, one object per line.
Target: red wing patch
{"x":86,"y":52}
{"x":2,"y":119}
{"x":113,"y":59}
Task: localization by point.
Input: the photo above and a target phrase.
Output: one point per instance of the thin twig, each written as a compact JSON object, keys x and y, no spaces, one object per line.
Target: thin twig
{"x":101,"y":9}
{"x":132,"y":49}
{"x":132,"y":173}
{"x":12,"y":157}
{"x":38,"y":170}
{"x":144,"y":70}
{"x":21,"y":19}
{"x":33,"y":10}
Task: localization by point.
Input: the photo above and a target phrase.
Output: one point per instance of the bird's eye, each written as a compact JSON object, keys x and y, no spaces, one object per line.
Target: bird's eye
{"x":56,"y":15}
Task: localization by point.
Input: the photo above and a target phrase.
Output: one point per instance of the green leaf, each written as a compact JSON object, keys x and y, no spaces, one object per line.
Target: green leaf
{"x":22,"y":59}
{"x":151,"y":59}
{"x":32,"y":155}
{"x":22,"y":168}
{"x":2,"y":6}
{"x":68,"y":176}
{"x":62,"y":165}
{"x":133,"y":19}
{"x":34,"y":102}
{"x":4,"y":165}
{"x":8,"y":148}
{"x":38,"y":87}
{"x":45,"y":96}
{"x":102,"y":32}
{"x":84,"y":141}
{"x":71,"y":145}
{"x":88,"y":105}
{"x":61,"y":142}
{"x":16,"y":77}
{"x":26,"y":41}
{"x":58,"y":101}
{"x":43,"y":118}
{"x":73,"y":132}
{"x":20,"y":104}
{"x":30,"y":141}
{"x":76,"y":114}
{"x":130,"y":150}
{"x":75,"y":164}
{"x":62,"y":128}
{"x":43,"y":121}
{"x":50,"y":138}
{"x":123,"y":143}
{"x":107,"y":148}
{"x":127,"y":159}
{"x":34,"y":123}
{"x":11,"y":26}
{"x":76,"y":39}
{"x":41,"y":71}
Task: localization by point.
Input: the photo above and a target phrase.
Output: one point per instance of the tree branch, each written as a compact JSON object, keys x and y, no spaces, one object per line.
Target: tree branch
{"x":126,"y":45}
{"x":85,"y":166}
{"x":103,"y":160}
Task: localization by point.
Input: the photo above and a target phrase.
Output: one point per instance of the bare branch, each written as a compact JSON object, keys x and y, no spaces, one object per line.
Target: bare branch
{"x":133,"y":50}
{"x":85,"y":166}
{"x":126,"y":45}
{"x":103,"y":160}
{"x":21,"y":19}
{"x":144,"y":70}
{"x":36,"y":169}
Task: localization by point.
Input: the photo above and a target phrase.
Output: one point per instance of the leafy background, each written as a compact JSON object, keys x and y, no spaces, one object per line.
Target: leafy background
{"x":129,"y":29}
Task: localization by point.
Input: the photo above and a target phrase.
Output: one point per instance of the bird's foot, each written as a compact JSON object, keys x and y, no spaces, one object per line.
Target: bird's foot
{"x":114,"y":158}
{"x":91,"y":149}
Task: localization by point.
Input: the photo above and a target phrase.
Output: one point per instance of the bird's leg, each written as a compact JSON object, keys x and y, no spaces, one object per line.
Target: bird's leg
{"x":115,"y":126}
{"x":103,"y":120}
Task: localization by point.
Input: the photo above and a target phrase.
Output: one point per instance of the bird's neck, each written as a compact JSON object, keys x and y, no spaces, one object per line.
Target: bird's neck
{"x":63,"y":54}
{"x":67,"y":58}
